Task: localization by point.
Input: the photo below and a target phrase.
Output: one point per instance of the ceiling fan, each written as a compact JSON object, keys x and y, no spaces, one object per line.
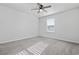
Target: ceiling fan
{"x":41,"y":7}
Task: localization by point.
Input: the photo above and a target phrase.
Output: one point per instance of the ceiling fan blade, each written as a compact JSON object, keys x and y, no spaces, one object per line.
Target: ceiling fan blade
{"x":35,"y":9}
{"x":48,"y":6}
{"x":39,"y":4}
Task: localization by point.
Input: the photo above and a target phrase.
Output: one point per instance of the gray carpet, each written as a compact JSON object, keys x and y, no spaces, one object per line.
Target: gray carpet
{"x":39,"y":46}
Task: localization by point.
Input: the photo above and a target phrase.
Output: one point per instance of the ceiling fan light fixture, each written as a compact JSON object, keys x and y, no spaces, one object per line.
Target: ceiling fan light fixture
{"x":41,"y":7}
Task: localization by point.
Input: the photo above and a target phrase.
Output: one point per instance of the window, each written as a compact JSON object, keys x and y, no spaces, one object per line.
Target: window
{"x":50,"y":25}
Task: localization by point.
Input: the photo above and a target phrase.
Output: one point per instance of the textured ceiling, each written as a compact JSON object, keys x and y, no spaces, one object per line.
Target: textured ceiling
{"x":27,"y":7}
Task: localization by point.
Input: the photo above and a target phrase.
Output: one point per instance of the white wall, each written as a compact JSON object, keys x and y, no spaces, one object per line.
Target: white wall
{"x":15,"y":25}
{"x":67,"y":26}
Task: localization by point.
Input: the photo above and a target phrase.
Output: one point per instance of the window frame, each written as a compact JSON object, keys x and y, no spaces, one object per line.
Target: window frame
{"x":50,"y":25}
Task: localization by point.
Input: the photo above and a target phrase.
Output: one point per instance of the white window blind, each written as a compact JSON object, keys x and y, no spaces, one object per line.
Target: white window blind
{"x":51,"y":25}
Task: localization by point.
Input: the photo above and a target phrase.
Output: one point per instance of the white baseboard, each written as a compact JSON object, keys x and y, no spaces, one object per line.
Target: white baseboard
{"x":17,"y":39}
{"x":63,"y":39}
